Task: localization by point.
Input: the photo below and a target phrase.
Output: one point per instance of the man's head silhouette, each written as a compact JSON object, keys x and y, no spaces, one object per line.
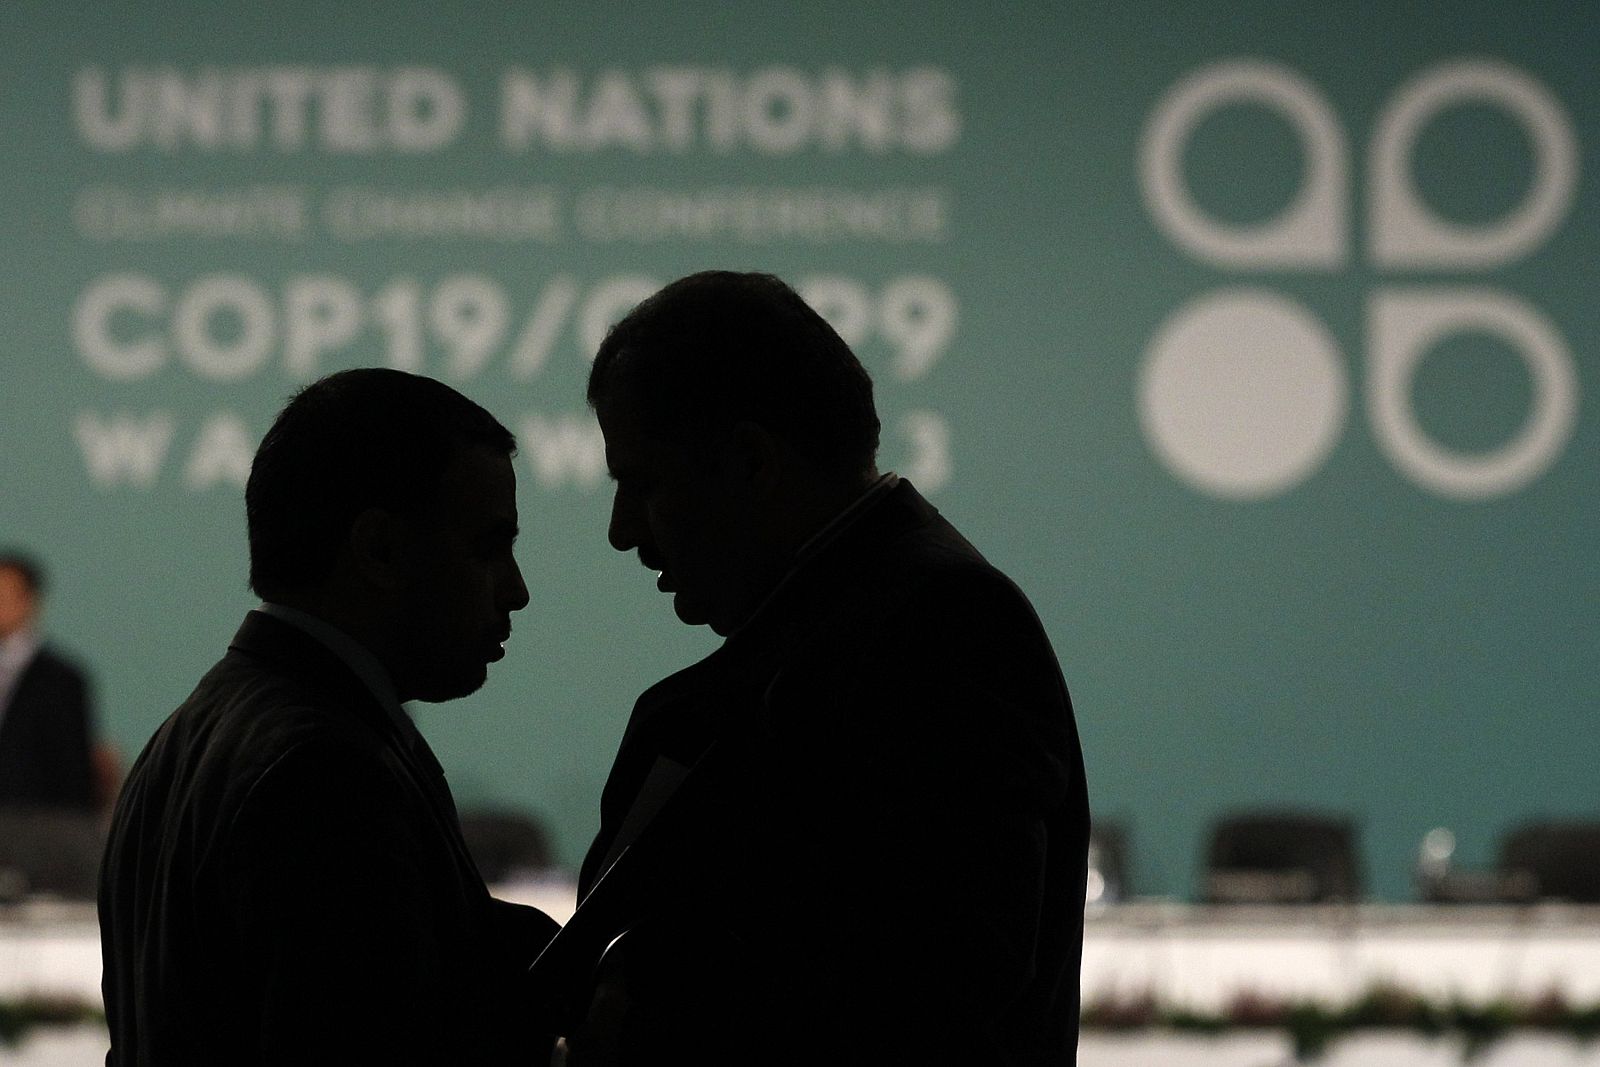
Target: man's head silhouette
{"x":737,"y":422}
{"x":385,"y":504}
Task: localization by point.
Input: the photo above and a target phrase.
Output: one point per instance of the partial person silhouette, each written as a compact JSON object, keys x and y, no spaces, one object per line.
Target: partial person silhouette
{"x":857,"y":831}
{"x":47,"y":758}
{"x":286,"y":880}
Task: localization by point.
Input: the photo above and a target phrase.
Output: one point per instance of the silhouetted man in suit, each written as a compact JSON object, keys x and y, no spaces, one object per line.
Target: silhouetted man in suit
{"x":856,"y":832}
{"x":46,"y":722}
{"x":285,"y":880}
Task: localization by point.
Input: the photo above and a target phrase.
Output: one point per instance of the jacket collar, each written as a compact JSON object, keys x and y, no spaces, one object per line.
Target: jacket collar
{"x":847,"y":548}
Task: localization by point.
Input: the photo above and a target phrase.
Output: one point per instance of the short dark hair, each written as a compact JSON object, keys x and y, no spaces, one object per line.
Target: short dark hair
{"x":718,"y":348}
{"x":358,"y":439}
{"x":26,"y":566}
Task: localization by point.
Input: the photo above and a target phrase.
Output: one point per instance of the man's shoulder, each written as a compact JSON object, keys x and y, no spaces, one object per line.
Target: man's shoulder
{"x":249,"y":752}
{"x":916,"y":611}
{"x":245,"y":717}
{"x":930,"y":574}
{"x":278,"y":707}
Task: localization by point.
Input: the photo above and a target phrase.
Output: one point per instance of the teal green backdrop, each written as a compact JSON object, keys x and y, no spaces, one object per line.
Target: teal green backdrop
{"x":1257,"y":341}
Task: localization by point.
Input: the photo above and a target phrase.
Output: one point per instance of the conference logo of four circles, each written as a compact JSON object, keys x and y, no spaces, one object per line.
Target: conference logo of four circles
{"x":1243,"y":392}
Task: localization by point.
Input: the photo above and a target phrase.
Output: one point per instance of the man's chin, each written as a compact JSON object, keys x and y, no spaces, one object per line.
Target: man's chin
{"x":689,"y":611}
{"x":696,"y":615}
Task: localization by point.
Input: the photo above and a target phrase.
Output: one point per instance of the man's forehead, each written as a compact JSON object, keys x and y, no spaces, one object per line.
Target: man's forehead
{"x":627,"y":446}
{"x":481,"y":481}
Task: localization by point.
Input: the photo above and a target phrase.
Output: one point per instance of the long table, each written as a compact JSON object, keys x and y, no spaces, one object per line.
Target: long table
{"x":1184,"y":955}
{"x":1203,"y":958}
{"x":1200,"y":958}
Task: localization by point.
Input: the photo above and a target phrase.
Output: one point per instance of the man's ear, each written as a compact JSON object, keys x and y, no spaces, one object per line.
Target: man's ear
{"x":756,"y":458}
{"x":378,"y":548}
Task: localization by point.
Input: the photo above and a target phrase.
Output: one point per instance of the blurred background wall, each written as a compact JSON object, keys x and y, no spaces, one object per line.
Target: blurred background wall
{"x":1257,"y":341}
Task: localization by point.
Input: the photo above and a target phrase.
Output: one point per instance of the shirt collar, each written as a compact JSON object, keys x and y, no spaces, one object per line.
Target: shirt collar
{"x":17,"y":650}
{"x":351,"y":652}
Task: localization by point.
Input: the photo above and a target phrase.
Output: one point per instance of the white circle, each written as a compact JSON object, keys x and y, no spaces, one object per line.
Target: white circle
{"x":1310,"y":232}
{"x":1242,"y":394}
{"x":1405,"y":324}
{"x":1406,"y":232}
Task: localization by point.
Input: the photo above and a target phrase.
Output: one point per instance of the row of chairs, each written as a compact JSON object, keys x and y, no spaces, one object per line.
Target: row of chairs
{"x":1282,"y":857}
{"x":56,"y":852}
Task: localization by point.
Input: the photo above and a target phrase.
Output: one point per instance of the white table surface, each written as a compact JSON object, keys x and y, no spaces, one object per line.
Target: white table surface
{"x":1188,"y":956}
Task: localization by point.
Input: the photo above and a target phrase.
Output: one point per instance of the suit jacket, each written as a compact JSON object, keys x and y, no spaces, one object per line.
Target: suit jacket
{"x":286,"y":882}
{"x":881,"y":858}
{"x":45,"y":737}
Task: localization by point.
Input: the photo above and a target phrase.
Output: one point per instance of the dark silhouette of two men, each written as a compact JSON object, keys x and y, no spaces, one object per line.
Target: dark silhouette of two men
{"x":854,"y":833}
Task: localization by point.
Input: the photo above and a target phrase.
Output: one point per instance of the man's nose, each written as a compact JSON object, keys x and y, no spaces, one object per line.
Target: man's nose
{"x":516,"y":590}
{"x":623,"y":532}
